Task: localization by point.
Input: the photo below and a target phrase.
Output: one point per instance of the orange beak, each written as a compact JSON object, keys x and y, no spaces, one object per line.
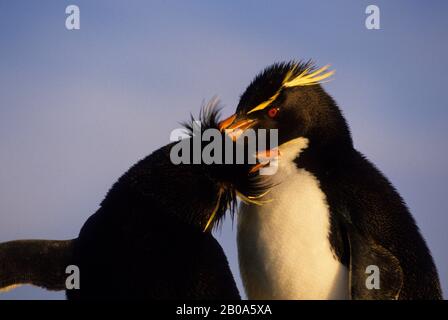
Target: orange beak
{"x":226,"y":122}
{"x":264,"y":157}
{"x":235,"y":128}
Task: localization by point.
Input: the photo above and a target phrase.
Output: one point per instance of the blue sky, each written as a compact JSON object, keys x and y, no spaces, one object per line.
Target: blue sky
{"x":77,"y":108}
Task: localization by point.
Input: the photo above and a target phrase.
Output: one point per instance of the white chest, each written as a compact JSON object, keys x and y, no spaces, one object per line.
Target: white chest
{"x":283,"y":246}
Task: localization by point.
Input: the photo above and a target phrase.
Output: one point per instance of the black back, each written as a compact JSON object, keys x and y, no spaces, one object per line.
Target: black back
{"x":368,"y":215}
{"x":147,"y":240}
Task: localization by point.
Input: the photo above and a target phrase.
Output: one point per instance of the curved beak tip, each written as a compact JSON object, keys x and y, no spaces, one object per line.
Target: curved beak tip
{"x":226,"y":122}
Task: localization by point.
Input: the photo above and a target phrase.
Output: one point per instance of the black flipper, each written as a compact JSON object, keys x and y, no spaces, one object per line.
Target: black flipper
{"x":38,"y":262}
{"x":365,"y":252}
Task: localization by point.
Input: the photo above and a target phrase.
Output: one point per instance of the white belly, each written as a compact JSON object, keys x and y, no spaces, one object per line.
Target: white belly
{"x":283,"y":246}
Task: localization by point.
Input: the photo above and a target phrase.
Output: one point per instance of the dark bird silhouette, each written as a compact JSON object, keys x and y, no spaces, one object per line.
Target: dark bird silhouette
{"x":150,"y":239}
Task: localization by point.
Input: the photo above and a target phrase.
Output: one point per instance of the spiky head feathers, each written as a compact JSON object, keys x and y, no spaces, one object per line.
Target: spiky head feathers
{"x":268,"y":85}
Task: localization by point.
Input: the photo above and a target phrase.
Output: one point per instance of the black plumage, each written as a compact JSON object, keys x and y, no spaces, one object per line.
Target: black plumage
{"x":147,"y":239}
{"x":370,"y":223}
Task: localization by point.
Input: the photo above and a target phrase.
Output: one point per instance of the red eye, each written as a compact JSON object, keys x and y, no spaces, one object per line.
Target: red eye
{"x":272,"y":112}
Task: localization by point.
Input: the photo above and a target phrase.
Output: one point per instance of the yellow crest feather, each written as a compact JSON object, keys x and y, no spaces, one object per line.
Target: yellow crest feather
{"x":253,"y":199}
{"x":264,"y":104}
{"x":303,"y":79}
{"x":307,"y":79}
{"x":215,"y":210}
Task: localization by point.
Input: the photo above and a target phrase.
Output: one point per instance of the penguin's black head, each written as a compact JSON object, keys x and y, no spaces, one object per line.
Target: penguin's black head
{"x":212,"y":189}
{"x":198,"y":194}
{"x":288,"y":97}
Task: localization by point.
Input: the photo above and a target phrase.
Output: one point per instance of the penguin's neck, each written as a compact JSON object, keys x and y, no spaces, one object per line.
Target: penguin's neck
{"x":283,"y":246}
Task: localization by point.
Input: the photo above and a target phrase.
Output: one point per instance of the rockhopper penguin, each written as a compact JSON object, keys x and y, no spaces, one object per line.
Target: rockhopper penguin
{"x":150,"y":239}
{"x":332,"y":213}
